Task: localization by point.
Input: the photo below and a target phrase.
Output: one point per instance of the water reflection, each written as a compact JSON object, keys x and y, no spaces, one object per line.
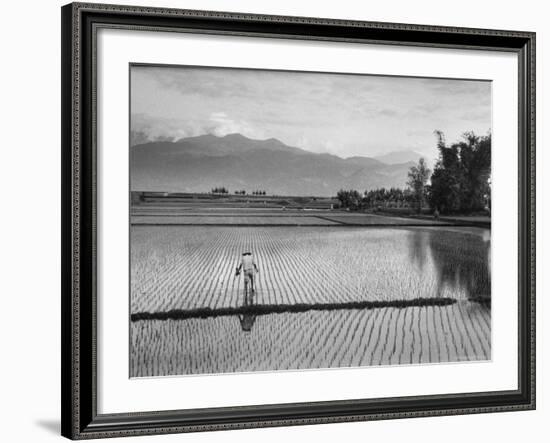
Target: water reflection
{"x":419,"y":248}
{"x":453,"y":264}
{"x":247,"y":320}
{"x":461,"y":260}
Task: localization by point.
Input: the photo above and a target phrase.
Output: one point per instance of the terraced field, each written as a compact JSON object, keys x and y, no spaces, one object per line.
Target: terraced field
{"x":192,"y":267}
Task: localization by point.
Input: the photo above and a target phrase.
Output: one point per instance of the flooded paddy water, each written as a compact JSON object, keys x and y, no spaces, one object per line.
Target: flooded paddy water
{"x":325,"y":296}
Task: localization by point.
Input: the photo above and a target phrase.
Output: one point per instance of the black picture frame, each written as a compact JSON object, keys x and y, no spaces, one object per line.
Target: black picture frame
{"x":79,"y":174}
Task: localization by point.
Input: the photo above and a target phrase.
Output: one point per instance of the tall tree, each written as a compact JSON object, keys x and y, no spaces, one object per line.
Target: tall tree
{"x":461,"y":178}
{"x":418,"y":178}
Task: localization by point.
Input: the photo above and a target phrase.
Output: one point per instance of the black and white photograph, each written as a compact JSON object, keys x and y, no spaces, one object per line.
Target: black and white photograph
{"x":287,"y":220}
{"x":277,"y":221}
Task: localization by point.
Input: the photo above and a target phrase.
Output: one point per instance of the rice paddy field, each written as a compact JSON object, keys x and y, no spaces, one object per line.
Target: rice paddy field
{"x":328,"y":294}
{"x":319,"y":339}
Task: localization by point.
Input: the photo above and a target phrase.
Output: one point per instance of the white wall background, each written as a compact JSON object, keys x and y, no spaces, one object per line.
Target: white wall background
{"x":30,"y":226}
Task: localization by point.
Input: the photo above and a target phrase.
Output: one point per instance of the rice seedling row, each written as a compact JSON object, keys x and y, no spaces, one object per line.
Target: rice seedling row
{"x":189,"y":267}
{"x":308,"y":340}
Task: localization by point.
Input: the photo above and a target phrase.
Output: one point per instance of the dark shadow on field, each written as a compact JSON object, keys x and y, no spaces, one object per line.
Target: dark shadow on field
{"x":461,"y":260}
{"x":257,"y":309}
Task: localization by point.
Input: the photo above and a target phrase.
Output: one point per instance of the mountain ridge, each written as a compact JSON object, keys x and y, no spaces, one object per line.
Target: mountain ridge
{"x":197,"y":164}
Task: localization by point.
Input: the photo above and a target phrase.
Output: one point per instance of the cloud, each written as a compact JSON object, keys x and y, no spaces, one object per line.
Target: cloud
{"x":220,"y":124}
{"x":138,"y":138}
{"x":419,"y":132}
{"x":343,"y":114}
{"x":146,"y":128}
{"x":388,"y":112}
{"x":476,"y":114}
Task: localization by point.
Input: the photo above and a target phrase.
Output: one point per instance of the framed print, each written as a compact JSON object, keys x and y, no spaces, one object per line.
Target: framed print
{"x":274,"y":221}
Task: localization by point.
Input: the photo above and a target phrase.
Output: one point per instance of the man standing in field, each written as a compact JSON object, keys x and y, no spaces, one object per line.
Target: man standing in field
{"x":249,"y":267}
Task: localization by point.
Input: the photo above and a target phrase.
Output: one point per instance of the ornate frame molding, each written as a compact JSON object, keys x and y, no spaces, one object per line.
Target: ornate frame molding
{"x":79,"y":391}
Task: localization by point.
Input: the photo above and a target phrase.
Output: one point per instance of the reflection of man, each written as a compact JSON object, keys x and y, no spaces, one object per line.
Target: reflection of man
{"x":247,"y":319}
{"x":248,"y":267}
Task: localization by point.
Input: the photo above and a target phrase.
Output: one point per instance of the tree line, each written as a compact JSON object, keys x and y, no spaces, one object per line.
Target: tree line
{"x":460,"y":182}
{"x":223,"y":190}
{"x":243,"y":192}
{"x":219,"y":190}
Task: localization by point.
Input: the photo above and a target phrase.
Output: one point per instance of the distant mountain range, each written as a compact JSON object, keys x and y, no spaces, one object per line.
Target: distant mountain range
{"x":198,"y":164}
{"x":397,"y":157}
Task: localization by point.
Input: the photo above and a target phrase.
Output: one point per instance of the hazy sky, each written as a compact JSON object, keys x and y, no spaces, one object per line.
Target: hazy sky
{"x":341,"y":114}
